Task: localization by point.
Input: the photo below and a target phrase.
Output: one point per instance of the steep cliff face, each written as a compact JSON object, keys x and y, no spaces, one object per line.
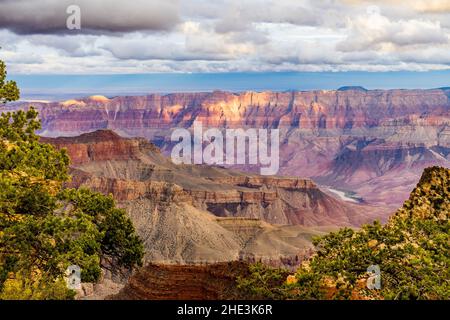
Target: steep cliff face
{"x":350,"y":139}
{"x":185,"y":282}
{"x":191,"y":213}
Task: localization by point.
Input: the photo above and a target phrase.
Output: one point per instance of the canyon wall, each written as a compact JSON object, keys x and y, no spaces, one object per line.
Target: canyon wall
{"x":370,"y":143}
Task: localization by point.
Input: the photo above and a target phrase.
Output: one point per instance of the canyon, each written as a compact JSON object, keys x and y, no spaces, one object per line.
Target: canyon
{"x":347,"y":157}
{"x":370,"y":144}
{"x":199,"y":213}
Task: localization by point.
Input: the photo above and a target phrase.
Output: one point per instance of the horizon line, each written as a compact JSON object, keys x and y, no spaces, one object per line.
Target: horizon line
{"x":341,"y":89}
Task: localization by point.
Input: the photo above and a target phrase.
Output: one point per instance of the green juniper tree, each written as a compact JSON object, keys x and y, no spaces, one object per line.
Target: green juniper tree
{"x":45,"y":227}
{"x":8,"y":89}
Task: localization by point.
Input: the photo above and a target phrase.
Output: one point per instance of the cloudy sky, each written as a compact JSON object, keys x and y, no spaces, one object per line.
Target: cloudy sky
{"x":145,"y":36}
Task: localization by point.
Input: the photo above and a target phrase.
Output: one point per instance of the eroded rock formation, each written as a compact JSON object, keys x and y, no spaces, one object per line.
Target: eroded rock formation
{"x":192,"y":213}
{"x":363,"y":141}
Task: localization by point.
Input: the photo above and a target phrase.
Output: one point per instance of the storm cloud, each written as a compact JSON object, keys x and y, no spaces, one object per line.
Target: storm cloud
{"x":50,"y":16}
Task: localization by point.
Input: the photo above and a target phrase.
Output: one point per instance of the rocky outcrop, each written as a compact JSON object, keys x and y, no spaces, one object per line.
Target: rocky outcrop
{"x":101,"y":146}
{"x":185,"y":282}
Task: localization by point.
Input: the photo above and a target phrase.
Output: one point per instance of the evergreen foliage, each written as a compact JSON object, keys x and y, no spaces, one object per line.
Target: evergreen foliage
{"x":45,"y":227}
{"x":412,"y":250}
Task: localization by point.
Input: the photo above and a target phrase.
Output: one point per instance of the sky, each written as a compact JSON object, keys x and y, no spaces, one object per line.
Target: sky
{"x":63,"y":87}
{"x":121,"y":37}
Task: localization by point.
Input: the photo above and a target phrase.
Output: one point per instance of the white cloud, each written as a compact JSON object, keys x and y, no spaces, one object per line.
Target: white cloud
{"x":375,"y":31}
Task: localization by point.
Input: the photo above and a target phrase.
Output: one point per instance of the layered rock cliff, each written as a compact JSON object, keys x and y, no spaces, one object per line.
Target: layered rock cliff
{"x":185,"y":282}
{"x":340,"y":110}
{"x":132,"y":169}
